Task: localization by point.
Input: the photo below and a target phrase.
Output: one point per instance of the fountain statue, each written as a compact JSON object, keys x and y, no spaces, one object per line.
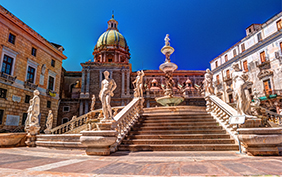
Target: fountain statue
{"x":168,"y":68}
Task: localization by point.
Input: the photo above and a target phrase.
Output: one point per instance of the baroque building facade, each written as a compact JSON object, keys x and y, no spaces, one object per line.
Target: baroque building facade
{"x":111,"y":53}
{"x":258,"y":54}
{"x":27,"y":62}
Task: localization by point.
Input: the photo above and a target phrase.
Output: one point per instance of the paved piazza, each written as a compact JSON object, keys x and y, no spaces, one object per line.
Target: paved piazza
{"x":49,"y":162}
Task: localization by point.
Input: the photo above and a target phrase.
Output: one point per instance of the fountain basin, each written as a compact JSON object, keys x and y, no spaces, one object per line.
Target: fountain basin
{"x":167,"y":50}
{"x":168,"y":66}
{"x":170,"y":100}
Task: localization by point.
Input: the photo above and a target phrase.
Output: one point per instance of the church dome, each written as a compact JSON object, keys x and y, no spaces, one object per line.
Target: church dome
{"x":111,"y":38}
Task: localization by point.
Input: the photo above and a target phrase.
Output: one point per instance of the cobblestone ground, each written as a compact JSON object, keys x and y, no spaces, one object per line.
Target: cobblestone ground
{"x":29,"y":162}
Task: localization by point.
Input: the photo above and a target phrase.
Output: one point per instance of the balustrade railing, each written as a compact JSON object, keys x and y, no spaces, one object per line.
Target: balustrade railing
{"x":83,"y":120}
{"x":185,"y":94}
{"x":126,"y":118}
{"x":221,"y":111}
{"x":7,"y":77}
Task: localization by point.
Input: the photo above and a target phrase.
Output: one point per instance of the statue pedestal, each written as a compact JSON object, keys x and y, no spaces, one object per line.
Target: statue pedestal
{"x":31,"y":136}
{"x":99,"y":142}
{"x":251,"y":122}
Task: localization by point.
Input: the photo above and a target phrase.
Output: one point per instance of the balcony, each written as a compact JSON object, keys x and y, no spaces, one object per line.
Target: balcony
{"x":227,"y":78}
{"x":51,"y":93}
{"x":263,"y":65}
{"x":7,"y":77}
{"x":278,"y":55}
{"x":30,"y":85}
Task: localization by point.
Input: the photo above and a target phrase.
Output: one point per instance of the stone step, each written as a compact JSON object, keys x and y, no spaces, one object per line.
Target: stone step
{"x":179,"y":141}
{"x":160,"y":116}
{"x":179,"y":147}
{"x":176,"y":124}
{"x":179,"y":136}
{"x":59,"y":137}
{"x":156,"y":132}
{"x":177,"y":120}
{"x":214,"y":127}
{"x":57,"y":144}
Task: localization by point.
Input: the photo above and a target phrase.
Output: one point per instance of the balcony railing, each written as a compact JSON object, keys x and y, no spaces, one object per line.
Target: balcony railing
{"x":7,"y":77}
{"x":263,"y":65}
{"x":30,"y":85}
{"x":51,"y":93}
{"x":227,"y":78}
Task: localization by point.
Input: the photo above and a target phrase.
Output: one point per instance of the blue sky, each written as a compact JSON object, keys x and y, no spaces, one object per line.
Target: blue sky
{"x":199,"y":29}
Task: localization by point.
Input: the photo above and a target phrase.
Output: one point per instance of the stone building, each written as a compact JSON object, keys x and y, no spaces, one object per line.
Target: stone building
{"x":259,"y":54}
{"x":111,"y":53}
{"x":27,"y":62}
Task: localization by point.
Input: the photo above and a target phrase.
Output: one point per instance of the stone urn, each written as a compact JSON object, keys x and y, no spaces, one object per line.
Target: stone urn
{"x":98,"y":142}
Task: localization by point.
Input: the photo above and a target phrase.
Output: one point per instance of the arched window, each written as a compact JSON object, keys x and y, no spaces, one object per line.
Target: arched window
{"x":65,"y":120}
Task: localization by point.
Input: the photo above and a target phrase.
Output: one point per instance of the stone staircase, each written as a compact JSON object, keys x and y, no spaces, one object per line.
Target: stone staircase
{"x":182,"y":128}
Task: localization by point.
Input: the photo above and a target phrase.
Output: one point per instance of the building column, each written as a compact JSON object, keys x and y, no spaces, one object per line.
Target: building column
{"x":127,"y":85}
{"x":81,"y":108}
{"x":122,"y":82}
{"x":122,"y":102}
{"x":111,"y":74}
{"x":116,"y":59}
{"x":82,"y":81}
{"x":104,"y":57}
{"x":86,"y":107}
{"x":101,"y":77}
{"x":88,"y":81}
{"x":148,"y":103}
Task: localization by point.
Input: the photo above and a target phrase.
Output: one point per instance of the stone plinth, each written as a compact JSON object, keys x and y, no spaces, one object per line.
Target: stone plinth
{"x":261,"y":141}
{"x":251,"y":122}
{"x":12,"y":139}
{"x":98,"y":142}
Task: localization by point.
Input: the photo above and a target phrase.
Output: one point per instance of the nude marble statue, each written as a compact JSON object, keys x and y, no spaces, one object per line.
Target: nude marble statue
{"x":209,"y":90}
{"x":138,"y":84}
{"x":107,"y":88}
{"x":32,"y":121}
{"x":49,"y":122}
{"x":93,"y":103}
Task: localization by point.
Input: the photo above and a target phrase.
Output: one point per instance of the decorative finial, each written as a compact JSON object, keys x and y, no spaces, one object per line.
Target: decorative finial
{"x":113,"y":14}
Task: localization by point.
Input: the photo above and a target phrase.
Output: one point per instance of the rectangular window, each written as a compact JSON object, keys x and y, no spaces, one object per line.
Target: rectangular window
{"x":279,"y":25}
{"x":243,"y":47}
{"x":226,"y":58}
{"x":3,"y":93}
{"x":281,"y":46}
{"x":227,"y":73}
{"x":27,"y":98}
{"x":53,"y":63}
{"x":1,"y":116}
{"x":259,"y":36}
{"x":30,"y":74}
{"x":12,"y":38}
{"x":262,"y":57}
{"x":267,"y":86}
{"x":66,"y":109}
{"x":7,"y":65}
{"x":216,"y":64}
{"x":217,"y":79}
{"x":245,"y":65}
{"x":234,"y":53}
{"x":51,"y":83}
{"x":48,"y":104}
{"x":230,"y":98}
{"x":33,"y":51}
{"x":24,"y":118}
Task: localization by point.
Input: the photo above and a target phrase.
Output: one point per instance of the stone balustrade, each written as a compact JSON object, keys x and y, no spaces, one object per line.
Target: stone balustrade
{"x":82,"y":122}
{"x":7,"y":77}
{"x":256,"y":140}
{"x":108,"y":135}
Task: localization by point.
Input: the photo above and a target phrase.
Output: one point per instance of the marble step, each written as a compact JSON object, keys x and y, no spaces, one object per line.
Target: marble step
{"x":178,"y":141}
{"x":179,"y":136}
{"x":177,"y":120}
{"x":179,"y":147}
{"x":214,"y":127}
{"x":157,"y":132}
{"x":176,"y":124}
{"x":160,"y":116}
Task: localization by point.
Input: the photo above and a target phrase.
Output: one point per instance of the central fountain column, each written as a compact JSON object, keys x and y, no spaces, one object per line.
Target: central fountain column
{"x":168,"y":68}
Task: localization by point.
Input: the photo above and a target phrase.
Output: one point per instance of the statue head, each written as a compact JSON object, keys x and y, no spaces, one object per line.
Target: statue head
{"x":36,"y":92}
{"x":235,"y":66}
{"x":208,"y":70}
{"x":93,"y":96}
{"x":138,"y":73}
{"x":106,"y":74}
{"x":50,"y":111}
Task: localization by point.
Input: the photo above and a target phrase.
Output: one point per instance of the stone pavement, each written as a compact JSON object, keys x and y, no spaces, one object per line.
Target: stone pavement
{"x":29,"y":162}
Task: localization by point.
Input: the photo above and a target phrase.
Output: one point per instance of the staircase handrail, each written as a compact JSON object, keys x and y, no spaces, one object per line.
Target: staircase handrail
{"x":221,"y":111}
{"x":81,"y":120}
{"x":126,"y":118}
